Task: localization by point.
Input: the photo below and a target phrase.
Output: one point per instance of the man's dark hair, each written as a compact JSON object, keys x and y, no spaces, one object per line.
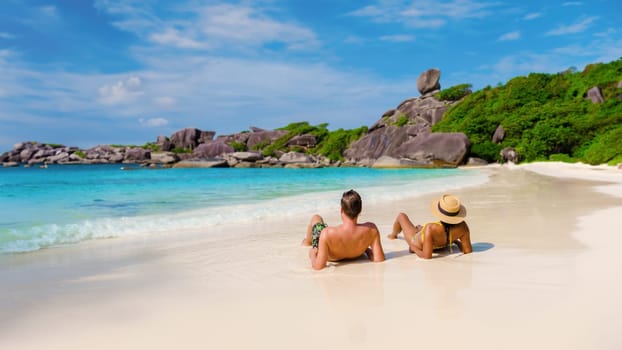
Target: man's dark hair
{"x":351,"y":203}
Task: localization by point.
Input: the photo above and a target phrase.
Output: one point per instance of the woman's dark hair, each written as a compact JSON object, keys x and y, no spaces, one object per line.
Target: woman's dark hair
{"x":351,"y":203}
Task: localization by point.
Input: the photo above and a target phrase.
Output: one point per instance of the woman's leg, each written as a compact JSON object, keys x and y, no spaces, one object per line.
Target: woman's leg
{"x":314,"y":220}
{"x":403,"y":223}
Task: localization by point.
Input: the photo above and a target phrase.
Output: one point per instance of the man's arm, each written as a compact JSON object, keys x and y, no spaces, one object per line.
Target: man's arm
{"x":319,"y":255}
{"x":377,"y":253}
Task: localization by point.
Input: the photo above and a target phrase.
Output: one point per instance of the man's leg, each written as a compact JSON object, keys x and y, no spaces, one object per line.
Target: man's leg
{"x":308,"y":237}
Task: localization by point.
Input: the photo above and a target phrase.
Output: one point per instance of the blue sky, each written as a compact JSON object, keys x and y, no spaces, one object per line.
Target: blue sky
{"x":83,"y":73}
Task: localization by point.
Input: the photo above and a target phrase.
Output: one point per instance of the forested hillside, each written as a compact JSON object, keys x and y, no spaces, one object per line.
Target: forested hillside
{"x":546,"y":116}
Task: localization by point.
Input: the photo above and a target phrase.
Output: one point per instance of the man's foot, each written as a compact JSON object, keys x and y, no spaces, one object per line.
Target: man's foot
{"x":305,"y":242}
{"x":392,"y":235}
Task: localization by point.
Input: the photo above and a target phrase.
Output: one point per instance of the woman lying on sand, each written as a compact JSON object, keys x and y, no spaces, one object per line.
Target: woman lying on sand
{"x":436,"y":235}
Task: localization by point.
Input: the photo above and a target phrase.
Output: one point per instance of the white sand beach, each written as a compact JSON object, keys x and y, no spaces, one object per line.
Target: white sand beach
{"x":544,"y":274}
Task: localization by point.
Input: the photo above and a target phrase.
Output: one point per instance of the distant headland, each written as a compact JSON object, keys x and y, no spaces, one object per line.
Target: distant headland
{"x":568,"y":116}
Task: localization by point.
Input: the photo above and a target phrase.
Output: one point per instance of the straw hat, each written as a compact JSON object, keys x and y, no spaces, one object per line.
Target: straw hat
{"x":448,"y":209}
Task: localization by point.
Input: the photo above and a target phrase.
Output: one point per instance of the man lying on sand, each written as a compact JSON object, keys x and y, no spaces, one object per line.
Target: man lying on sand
{"x":346,"y":241}
{"x":436,"y":235}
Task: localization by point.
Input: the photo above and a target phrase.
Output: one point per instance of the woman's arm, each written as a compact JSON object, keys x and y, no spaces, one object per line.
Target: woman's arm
{"x":465,"y":240}
{"x":423,"y":251}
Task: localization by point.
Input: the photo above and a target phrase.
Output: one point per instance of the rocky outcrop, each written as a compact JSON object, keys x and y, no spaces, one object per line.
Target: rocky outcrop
{"x":260,"y":136}
{"x":420,"y":113}
{"x":386,"y":162}
{"x":164,"y":143}
{"x":205,"y":163}
{"x":499,"y":135}
{"x":403,"y":138}
{"x":509,"y":154}
{"x":211,"y":149}
{"x":381,"y":141}
{"x":240,"y":138}
{"x":136,"y":155}
{"x":595,"y":95}
{"x":247,"y":156}
{"x":164,"y":158}
{"x":474,"y":161}
{"x":429,"y":81}
{"x":307,"y":141}
{"x":190,"y":138}
{"x":296,"y":158}
{"x":32,"y":153}
{"x":436,"y":149}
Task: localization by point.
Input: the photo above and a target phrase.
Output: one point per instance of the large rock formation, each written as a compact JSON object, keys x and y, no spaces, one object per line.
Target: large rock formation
{"x":402,"y":137}
{"x":595,"y":94}
{"x":32,"y":153}
{"x":211,"y":149}
{"x":428,"y":81}
{"x":436,"y":149}
{"x":509,"y":154}
{"x":499,"y":134}
{"x":190,"y":138}
{"x":259,"y":136}
{"x":306,"y":140}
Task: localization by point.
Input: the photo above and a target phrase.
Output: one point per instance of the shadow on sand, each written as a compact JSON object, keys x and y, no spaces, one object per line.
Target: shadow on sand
{"x":482,"y":247}
{"x":477,"y":248}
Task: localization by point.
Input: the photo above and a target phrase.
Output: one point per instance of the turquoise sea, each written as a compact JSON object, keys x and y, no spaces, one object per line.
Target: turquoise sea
{"x":41,"y":208}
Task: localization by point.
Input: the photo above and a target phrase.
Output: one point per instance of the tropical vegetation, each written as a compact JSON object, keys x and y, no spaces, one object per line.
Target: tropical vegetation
{"x":330,"y":144}
{"x":545,"y":116}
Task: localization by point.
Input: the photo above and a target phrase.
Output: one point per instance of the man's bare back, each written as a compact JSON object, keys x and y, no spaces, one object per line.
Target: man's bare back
{"x":346,"y":241}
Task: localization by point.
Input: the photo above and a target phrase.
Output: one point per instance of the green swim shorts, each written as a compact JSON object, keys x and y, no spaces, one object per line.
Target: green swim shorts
{"x":315,"y":234}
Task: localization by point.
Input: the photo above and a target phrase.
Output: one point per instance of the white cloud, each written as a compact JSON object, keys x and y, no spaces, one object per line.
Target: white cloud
{"x":424,"y":14}
{"x":173,"y":37}
{"x":4,"y":35}
{"x":573,"y":28}
{"x":229,"y":26}
{"x":398,"y":38}
{"x":250,"y":27}
{"x":532,"y":16}
{"x":165,"y":101}
{"x":510,"y":36}
{"x":572,"y":3}
{"x":369,"y":11}
{"x":153,"y":122}
{"x":120,"y":92}
{"x":135,"y":17}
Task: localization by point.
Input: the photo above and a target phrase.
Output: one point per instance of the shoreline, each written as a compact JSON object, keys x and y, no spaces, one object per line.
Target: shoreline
{"x":542,"y":274}
{"x":120,"y":205}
